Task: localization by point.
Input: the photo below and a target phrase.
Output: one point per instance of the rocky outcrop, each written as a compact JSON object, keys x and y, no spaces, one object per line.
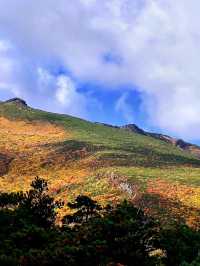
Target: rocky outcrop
{"x":134,"y":128}
{"x":192,"y":148}
{"x":17,"y":101}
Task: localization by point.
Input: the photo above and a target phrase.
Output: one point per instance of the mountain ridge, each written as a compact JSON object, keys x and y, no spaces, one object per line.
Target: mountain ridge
{"x":17,"y":101}
{"x":180,"y":143}
{"x":194,"y":149}
{"x":103,"y":161}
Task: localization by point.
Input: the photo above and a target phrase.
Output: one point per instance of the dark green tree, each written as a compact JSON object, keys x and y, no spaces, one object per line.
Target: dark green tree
{"x":111,"y":235}
{"x":122,"y":234}
{"x":37,"y":207}
{"x":181,"y":244}
{"x":85,"y":207}
{"x":10,"y":200}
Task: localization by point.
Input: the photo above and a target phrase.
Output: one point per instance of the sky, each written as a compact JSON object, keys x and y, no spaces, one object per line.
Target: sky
{"x":111,"y":61}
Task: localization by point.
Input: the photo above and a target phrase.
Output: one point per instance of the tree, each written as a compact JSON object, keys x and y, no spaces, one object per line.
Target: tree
{"x":86,"y":209}
{"x":10,"y":200}
{"x":181,"y":244}
{"x":37,"y":206}
{"x":111,"y":235}
{"x":122,"y":234}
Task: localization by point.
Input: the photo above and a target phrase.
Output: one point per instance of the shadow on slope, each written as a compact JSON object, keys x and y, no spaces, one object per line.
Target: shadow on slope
{"x":169,"y":210}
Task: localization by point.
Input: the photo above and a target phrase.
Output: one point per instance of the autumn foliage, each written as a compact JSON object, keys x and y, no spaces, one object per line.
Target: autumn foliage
{"x":91,"y":235}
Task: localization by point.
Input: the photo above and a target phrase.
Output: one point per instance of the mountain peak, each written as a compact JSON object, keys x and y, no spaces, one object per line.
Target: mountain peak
{"x":134,"y":128}
{"x":17,"y":101}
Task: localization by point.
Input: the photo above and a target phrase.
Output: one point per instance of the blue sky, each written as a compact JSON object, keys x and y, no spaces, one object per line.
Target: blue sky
{"x":112,"y":61}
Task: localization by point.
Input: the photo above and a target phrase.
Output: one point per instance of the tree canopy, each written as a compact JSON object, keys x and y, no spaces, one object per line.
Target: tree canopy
{"x":91,"y":235}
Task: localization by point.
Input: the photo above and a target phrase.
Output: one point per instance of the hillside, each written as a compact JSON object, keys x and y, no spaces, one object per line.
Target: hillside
{"x":183,"y":145}
{"x":105,"y":162}
{"x":191,"y":148}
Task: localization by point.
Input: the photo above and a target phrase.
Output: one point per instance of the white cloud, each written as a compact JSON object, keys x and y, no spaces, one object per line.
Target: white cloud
{"x":46,"y":89}
{"x":125,"y":108}
{"x":61,"y":92}
{"x":8,"y":69}
{"x":157,"y":41}
{"x":67,"y":96}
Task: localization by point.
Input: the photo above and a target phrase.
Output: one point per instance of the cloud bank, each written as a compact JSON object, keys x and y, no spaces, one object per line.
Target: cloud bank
{"x":151,"y":45}
{"x":125,"y":108}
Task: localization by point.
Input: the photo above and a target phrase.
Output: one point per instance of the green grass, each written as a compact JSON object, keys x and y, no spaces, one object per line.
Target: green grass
{"x":118,"y":146}
{"x":183,"y":175}
{"x":95,"y":151}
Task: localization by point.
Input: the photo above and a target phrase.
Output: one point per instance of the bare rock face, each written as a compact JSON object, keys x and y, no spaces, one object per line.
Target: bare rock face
{"x":17,"y":101}
{"x":134,"y":128}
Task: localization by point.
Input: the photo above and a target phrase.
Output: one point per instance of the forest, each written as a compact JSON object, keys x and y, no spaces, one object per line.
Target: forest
{"x":90,"y":234}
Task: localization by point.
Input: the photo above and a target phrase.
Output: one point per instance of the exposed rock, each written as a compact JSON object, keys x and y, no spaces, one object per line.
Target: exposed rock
{"x":182,"y":144}
{"x":193,"y":149}
{"x":134,"y":128}
{"x":17,"y":101}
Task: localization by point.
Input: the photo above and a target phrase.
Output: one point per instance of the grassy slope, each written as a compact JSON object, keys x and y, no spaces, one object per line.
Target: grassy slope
{"x":96,"y":151}
{"x":106,"y":138}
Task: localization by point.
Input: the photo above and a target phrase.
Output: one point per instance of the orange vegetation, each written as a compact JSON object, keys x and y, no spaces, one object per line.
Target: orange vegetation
{"x":40,"y":148}
{"x":21,"y":135}
{"x":173,"y":200}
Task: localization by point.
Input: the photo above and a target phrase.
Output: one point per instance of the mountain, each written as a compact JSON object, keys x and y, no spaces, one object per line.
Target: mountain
{"x":105,"y":162}
{"x":17,"y":101}
{"x":193,"y":149}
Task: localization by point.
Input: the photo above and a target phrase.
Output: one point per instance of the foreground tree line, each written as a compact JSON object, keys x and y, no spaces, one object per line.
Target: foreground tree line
{"x":91,"y":235}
